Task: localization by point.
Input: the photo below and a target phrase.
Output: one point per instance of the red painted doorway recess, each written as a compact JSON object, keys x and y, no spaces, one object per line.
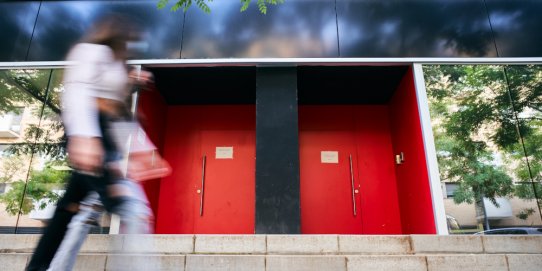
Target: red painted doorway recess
{"x":350,"y":182}
{"x":212,"y":188}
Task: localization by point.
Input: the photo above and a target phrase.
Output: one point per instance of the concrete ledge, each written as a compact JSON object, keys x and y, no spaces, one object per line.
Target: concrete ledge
{"x":357,"y":244}
{"x":446,"y":244}
{"x":90,"y":262}
{"x":512,"y":244}
{"x":230,"y":244}
{"x":145,"y":262}
{"x":395,"y":263}
{"x":102,"y":243}
{"x":302,"y":244}
{"x":466,"y":262}
{"x":18,"y":242}
{"x":158,"y":244}
{"x":305,"y":263}
{"x":225,"y":263}
{"x":524,"y":262}
{"x":13,"y":261}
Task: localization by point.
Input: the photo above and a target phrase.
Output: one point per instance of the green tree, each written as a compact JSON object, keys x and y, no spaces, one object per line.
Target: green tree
{"x":203,"y":4}
{"x":40,"y":190}
{"x":37,"y":91}
{"x":477,"y":111}
{"x":10,"y":168}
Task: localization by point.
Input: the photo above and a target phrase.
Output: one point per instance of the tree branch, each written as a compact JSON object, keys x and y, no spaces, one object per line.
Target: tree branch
{"x":34,"y":95}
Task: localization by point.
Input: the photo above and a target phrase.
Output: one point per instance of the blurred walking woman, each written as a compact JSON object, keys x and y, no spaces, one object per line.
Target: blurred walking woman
{"x":96,"y":90}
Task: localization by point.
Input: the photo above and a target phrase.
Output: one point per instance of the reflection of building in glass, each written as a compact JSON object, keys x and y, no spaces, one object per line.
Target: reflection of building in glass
{"x":10,"y":123}
{"x":14,"y":168}
{"x":479,"y":149}
{"x":30,"y":131}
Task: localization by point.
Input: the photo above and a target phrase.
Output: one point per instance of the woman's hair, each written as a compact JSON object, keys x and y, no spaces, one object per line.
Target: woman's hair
{"x":112,"y":30}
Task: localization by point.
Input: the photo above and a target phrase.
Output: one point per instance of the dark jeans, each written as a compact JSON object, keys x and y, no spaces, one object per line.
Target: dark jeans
{"x":78,"y":187}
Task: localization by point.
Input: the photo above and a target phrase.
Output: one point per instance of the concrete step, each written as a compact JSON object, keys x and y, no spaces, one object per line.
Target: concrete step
{"x":294,"y":244}
{"x":292,"y":252}
{"x":216,"y":262}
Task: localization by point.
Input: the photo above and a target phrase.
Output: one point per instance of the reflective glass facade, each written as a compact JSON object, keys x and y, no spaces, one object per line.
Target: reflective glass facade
{"x":486,"y":125}
{"x":33,"y":165}
{"x":43,"y":31}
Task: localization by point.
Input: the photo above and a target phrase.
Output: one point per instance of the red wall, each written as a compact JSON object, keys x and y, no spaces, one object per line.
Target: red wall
{"x":396,"y":199}
{"x":412,"y":176}
{"x":152,"y":114}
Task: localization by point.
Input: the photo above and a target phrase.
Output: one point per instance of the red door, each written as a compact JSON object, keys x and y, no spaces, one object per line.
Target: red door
{"x":329,"y":185}
{"x":225,"y":203}
{"x":226,"y":194}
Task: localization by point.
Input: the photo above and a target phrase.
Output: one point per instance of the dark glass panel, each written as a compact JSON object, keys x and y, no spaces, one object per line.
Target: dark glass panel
{"x":293,"y":29}
{"x":516,"y":25}
{"x":61,"y":24}
{"x":16,"y":24}
{"x":414,"y":28}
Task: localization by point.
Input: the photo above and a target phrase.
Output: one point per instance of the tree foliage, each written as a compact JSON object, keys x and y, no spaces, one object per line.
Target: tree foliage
{"x":41,"y":189}
{"x":36,"y":92}
{"x":10,"y":168}
{"x":204,"y":6}
{"x":487,"y":124}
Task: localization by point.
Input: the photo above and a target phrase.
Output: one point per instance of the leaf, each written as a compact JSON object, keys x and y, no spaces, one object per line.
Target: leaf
{"x":262,"y":7}
{"x":203,"y":6}
{"x":245,"y":4}
{"x":162,"y":4}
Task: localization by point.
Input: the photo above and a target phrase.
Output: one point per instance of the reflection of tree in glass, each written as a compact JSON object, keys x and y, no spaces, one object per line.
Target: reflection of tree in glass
{"x":11,"y":96}
{"x":202,"y":4}
{"x":476,"y":131}
{"x":42,"y":138}
{"x":42,"y":189}
{"x":525,"y":82}
{"x":10,"y":168}
{"x":30,"y":88}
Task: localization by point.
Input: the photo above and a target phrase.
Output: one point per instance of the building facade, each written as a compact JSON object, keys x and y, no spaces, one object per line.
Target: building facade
{"x":318,"y":117}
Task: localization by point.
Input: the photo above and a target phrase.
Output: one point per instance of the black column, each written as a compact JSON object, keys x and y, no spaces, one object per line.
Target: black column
{"x":277,"y":151}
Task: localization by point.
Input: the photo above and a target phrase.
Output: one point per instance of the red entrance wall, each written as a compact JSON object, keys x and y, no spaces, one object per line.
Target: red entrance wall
{"x":397,"y":200}
{"x":195,"y":130}
{"x":412,"y":177}
{"x":152,"y":111}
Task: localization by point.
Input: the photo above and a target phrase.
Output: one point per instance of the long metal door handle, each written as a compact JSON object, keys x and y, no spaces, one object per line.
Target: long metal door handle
{"x":352,"y":180}
{"x":202,"y":186}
